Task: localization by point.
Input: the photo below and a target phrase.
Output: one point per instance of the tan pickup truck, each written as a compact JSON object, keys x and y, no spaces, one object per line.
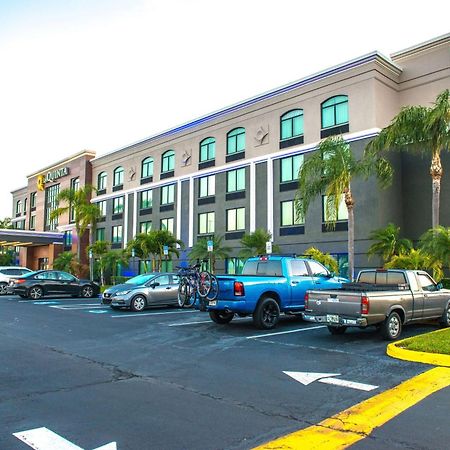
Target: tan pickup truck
{"x":387,"y":299}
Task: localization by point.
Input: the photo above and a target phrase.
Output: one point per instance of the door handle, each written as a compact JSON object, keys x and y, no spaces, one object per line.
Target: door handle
{"x":294,"y":282}
{"x":168,"y":287}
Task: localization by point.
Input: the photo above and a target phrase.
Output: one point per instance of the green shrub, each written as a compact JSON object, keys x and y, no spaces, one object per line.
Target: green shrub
{"x":446,"y":283}
{"x":119,"y":279}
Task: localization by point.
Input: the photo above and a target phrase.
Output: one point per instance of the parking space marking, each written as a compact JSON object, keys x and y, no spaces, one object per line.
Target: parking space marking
{"x":152,"y":314}
{"x":356,"y":423}
{"x":298,"y":330}
{"x":80,"y":306}
{"x":202,"y":321}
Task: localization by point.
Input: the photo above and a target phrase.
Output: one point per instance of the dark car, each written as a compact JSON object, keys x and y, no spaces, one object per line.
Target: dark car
{"x":149,"y":289}
{"x":53,"y":282}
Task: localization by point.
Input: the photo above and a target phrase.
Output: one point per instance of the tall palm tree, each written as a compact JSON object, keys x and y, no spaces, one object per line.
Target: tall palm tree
{"x":436,"y":243}
{"x":78,"y":201}
{"x":199,"y":250}
{"x":388,"y":242}
{"x":99,"y":251}
{"x":329,"y":172}
{"x":166,"y":238}
{"x":144,"y":246}
{"x":255,"y":243}
{"x":420,"y":129}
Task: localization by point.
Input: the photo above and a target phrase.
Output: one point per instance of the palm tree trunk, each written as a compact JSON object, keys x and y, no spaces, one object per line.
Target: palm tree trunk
{"x":349,"y":202}
{"x":436,"y":175}
{"x":79,"y":243}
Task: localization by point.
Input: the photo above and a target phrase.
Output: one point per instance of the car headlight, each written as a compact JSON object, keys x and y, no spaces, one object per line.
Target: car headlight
{"x":122,"y":292}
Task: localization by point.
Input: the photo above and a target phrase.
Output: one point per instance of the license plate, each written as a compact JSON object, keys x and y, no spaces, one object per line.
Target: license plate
{"x":332,"y":318}
{"x":333,"y":299}
{"x":213,"y":303}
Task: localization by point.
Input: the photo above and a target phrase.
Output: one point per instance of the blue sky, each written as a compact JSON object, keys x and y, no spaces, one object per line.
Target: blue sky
{"x":101,"y":74}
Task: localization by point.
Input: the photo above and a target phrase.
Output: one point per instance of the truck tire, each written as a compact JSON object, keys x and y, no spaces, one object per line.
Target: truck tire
{"x":445,"y":319}
{"x":266,"y":314}
{"x":392,"y":327}
{"x":221,"y":317}
{"x":336,"y":330}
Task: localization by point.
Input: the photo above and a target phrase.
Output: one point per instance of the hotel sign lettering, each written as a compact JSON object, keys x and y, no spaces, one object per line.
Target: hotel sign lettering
{"x":49,"y":177}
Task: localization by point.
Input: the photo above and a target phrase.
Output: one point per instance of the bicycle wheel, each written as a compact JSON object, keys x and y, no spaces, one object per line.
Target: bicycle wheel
{"x":203,"y":284}
{"x":184,"y":289}
{"x":214,"y":291}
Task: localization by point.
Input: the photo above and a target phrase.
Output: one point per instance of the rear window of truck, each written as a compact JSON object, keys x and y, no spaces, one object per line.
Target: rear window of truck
{"x":263,"y":268}
{"x":382,"y":277}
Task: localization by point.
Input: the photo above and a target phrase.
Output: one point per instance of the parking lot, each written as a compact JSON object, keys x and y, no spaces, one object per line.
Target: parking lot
{"x":171,"y":379}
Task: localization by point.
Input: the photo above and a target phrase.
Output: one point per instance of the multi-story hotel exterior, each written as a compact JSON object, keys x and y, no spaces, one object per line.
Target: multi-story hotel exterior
{"x":235,"y":170}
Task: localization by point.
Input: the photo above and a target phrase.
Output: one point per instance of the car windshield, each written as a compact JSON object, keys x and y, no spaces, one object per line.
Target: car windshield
{"x":28,"y":274}
{"x":141,"y":279}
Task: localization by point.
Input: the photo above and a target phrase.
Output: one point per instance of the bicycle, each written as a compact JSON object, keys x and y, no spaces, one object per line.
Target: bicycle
{"x":193,"y":282}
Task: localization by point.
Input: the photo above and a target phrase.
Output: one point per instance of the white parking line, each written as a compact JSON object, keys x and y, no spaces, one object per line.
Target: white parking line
{"x":81,"y":306}
{"x":152,"y":314}
{"x":203,"y":321}
{"x":298,"y":330}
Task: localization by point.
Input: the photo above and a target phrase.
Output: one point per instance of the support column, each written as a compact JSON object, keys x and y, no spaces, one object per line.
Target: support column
{"x":252,"y":197}
{"x":270,"y":196}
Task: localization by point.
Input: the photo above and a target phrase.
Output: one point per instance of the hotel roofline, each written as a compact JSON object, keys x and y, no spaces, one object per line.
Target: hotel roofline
{"x":351,"y":64}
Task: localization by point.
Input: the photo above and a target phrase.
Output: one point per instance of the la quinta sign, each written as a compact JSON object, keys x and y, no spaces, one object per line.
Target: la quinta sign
{"x":49,"y":177}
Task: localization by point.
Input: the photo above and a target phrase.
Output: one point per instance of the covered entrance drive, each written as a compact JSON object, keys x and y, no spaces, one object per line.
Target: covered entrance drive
{"x":37,"y":249}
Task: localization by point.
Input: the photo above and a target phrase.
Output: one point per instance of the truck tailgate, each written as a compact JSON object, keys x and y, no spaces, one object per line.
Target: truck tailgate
{"x":335,"y":302}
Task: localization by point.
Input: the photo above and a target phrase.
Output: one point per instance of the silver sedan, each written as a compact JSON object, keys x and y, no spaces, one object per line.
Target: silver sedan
{"x":150,"y":289}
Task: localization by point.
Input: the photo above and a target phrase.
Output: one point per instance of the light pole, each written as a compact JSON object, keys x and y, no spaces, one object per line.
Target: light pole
{"x":91,"y":265}
{"x":133,"y":255}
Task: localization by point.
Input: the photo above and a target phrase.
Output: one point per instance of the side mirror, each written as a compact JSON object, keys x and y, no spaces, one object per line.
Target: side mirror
{"x":154,"y":284}
{"x":439,"y":286}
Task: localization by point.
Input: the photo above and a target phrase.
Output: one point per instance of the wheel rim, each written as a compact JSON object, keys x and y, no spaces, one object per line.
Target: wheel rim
{"x":36,"y":293}
{"x":270,"y":314}
{"x":139,"y":303}
{"x":394,"y":326}
{"x":3,"y":288}
{"x":448,"y":315}
{"x":88,"y":291}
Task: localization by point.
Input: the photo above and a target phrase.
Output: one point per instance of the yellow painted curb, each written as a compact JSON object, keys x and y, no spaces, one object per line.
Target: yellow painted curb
{"x":395,"y":350}
{"x":356,"y":423}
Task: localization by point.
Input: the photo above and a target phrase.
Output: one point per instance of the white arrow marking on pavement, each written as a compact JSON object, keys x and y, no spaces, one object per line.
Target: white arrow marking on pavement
{"x":45,"y":439}
{"x":309,"y":377}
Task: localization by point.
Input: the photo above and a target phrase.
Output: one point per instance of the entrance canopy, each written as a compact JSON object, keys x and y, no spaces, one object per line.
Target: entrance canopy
{"x":25,"y":238}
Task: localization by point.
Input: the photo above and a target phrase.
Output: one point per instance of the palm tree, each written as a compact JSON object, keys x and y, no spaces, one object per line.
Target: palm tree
{"x":84,"y":213}
{"x":436,"y":243}
{"x":325,"y":258}
{"x":144,"y":246}
{"x":199,"y":250}
{"x":416,"y":259}
{"x":113,"y":258}
{"x":329,"y":172}
{"x":420,"y":129}
{"x":255,"y":243}
{"x":64,"y":261}
{"x":5,"y":223}
{"x":388,"y":243}
{"x":99,"y":251}
{"x":166,"y":238}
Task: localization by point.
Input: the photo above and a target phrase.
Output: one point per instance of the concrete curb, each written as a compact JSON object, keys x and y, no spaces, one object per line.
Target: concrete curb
{"x":395,"y":350}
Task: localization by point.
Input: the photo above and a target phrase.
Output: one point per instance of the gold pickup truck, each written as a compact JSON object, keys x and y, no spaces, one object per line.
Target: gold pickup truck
{"x":386,"y":299}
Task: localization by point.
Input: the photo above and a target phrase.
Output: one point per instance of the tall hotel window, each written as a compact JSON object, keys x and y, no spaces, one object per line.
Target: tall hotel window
{"x":68,"y":239}
{"x":167,"y":194}
{"x":168,"y":163}
{"x":147,"y":170}
{"x":289,"y":169}
{"x":146,"y":199}
{"x":145,"y":227}
{"x":18,"y":208}
{"x":234,"y":266}
{"x":206,"y":223}
{"x":102,"y":207}
{"x":117,"y":234}
{"x":102,"y":178}
{"x":236,"y":219}
{"x":340,"y":216}
{"x":118,"y":205}
{"x":25,"y":202}
{"x":167,"y":224}
{"x":207,"y":149}
{"x":33,"y":201}
{"x":100,"y":234}
{"x":236,"y":180}
{"x":118,"y":178}
{"x":33,"y":222}
{"x":289,"y":216}
{"x":51,"y":203}
{"x":236,"y":141}
{"x":74,"y":186}
{"x":207,"y":186}
{"x":291,"y":128}
{"x":334,"y":116}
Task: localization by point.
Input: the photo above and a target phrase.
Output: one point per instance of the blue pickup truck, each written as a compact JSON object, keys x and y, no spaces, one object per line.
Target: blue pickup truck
{"x":269,"y":285}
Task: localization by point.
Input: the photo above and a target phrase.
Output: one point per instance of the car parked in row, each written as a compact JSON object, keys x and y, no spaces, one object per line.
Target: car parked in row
{"x":9,"y":273}
{"x":36,"y":285}
{"x":150,"y":289}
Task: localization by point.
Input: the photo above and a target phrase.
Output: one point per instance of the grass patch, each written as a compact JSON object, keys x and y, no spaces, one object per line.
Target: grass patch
{"x":437,"y":342}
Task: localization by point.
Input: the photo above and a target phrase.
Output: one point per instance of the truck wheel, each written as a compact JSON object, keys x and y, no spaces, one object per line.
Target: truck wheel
{"x":266,"y":314}
{"x":336,"y":330}
{"x":392,"y":327}
{"x":221,"y":317}
{"x":445,"y":320}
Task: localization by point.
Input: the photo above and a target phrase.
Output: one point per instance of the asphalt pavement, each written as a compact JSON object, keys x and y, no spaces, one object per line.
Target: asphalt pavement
{"x":172,"y":379}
